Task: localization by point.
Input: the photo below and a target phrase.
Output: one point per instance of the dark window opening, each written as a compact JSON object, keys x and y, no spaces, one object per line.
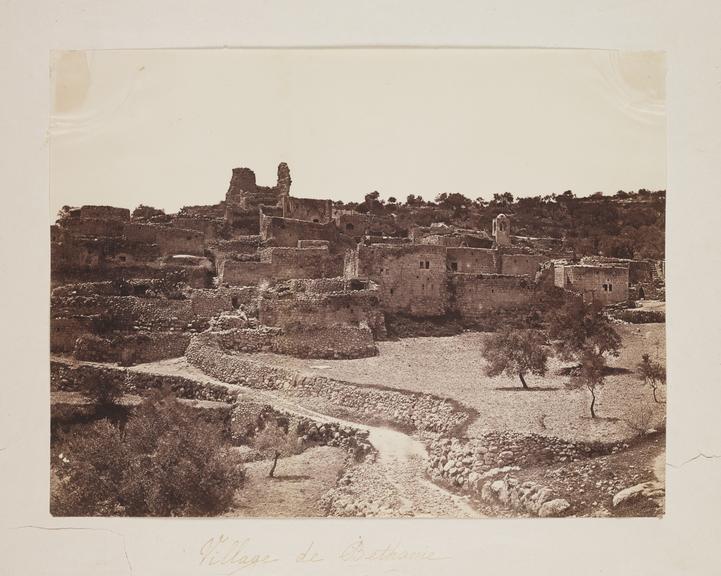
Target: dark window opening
{"x":234,"y":301}
{"x":316,"y":220}
{"x":349,"y":227}
{"x":605,"y":287}
{"x":421,"y":263}
{"x":610,"y":287}
{"x":123,"y":258}
{"x":454,"y":266}
{"x":392,"y":291}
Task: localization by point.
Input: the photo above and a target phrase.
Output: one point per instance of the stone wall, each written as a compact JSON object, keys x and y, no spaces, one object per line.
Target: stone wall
{"x":328,"y":341}
{"x":92,"y":249}
{"x":211,"y":228}
{"x":309,"y":209}
{"x":240,"y":221}
{"x":96,"y":252}
{"x":196,"y":276}
{"x":639,"y":271}
{"x":450,"y":236}
{"x":170,"y":240}
{"x":522,"y":264}
{"x":405,"y":410}
{"x":602,"y":284}
{"x":80,"y":377}
{"x":473,"y":260}
{"x":485,"y":466}
{"x":240,"y":417}
{"x":213,"y":301}
{"x":313,"y":244}
{"x":245,"y":193}
{"x":357,"y":224}
{"x":138,"y":241}
{"x":368,"y":240}
{"x":353,"y":224}
{"x":94,"y":227}
{"x":128,"y":349}
{"x":65,"y":331}
{"x":474,"y":295}
{"x":132,"y":313}
{"x":258,"y":339}
{"x":134,"y":322}
{"x":105,"y":213}
{"x":412,"y":278}
{"x":309,"y":341}
{"x":294,"y":307}
{"x":278,"y":231}
{"x":281,"y":264}
{"x":240,"y":273}
{"x":212,"y":211}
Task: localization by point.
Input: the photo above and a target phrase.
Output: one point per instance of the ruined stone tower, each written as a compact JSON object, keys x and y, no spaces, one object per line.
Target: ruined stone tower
{"x":242,"y":184}
{"x":284,"y":181}
{"x":502,"y":230}
{"x":244,"y":192}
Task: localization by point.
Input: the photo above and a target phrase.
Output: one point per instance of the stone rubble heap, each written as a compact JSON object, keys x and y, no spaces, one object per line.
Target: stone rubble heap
{"x":474,"y":466}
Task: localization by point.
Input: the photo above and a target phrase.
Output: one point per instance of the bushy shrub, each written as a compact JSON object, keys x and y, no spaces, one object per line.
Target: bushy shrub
{"x":165,"y":462}
{"x":641,"y":418}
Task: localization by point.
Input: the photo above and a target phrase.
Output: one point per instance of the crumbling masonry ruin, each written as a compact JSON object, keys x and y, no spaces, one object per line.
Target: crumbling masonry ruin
{"x":263,"y":271}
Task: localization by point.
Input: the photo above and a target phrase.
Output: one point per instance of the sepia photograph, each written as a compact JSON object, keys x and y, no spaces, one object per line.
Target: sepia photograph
{"x":363,"y":283}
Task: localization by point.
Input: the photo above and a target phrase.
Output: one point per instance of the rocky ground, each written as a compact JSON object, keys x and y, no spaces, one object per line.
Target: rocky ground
{"x":297,"y":488}
{"x":628,"y":482}
{"x":452,"y":367}
{"x":392,"y":483}
{"x":395,"y":484}
{"x":513,"y":474}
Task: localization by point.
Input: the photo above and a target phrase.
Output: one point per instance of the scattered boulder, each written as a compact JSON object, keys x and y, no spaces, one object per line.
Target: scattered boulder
{"x":554,"y":508}
{"x":652,"y":490}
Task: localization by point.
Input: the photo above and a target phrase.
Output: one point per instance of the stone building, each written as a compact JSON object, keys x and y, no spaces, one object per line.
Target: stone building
{"x":601,"y":283}
{"x":271,"y":272}
{"x":308,"y":209}
{"x":411,"y":277}
{"x":502,"y":230}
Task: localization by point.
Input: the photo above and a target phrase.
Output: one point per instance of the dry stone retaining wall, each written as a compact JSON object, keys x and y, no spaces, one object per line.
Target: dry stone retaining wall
{"x":406,"y":410}
{"x":242,"y":420}
{"x":485,"y":466}
{"x":81,"y":377}
{"x":130,"y":349}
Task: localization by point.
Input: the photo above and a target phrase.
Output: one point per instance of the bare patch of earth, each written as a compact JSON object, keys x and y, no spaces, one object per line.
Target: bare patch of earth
{"x":296,"y":490}
{"x":452,"y":367}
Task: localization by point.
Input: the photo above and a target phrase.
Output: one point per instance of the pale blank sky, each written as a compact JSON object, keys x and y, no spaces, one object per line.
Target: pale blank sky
{"x":165,"y":128}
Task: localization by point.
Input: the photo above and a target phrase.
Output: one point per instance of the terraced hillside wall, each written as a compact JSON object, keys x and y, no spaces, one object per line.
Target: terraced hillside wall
{"x":405,"y":410}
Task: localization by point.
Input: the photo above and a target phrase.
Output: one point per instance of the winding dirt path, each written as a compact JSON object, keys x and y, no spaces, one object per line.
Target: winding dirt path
{"x":397,"y":475}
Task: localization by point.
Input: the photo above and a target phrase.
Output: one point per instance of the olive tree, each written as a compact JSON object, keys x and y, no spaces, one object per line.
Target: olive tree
{"x":652,"y":374}
{"x":275,"y":441}
{"x":590,"y":375}
{"x":583,"y":333}
{"x":516,"y":353}
{"x":578,"y":327}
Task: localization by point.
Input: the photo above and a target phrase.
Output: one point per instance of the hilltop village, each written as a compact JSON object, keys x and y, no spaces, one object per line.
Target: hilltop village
{"x":294,"y":276}
{"x":348,"y":347}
